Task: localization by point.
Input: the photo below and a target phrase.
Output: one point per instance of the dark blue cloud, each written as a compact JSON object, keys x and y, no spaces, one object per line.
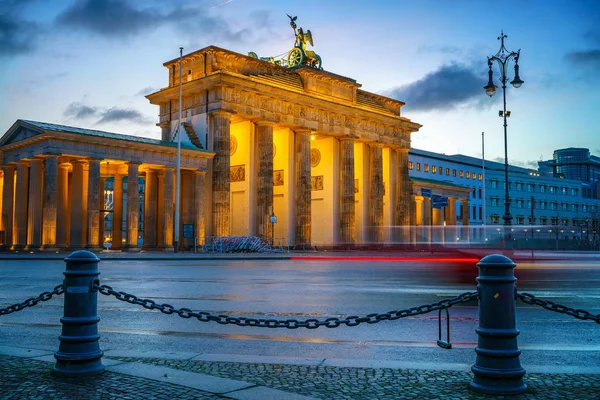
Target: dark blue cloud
{"x":17,"y":36}
{"x":446,"y":88}
{"x":116,"y":114}
{"x":79,"y":111}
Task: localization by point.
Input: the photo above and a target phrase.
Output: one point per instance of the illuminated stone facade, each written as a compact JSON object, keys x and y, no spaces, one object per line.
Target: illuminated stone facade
{"x":328,"y":159}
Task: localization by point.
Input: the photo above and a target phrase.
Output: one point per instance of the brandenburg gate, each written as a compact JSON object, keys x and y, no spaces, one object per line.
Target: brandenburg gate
{"x":260,"y":138}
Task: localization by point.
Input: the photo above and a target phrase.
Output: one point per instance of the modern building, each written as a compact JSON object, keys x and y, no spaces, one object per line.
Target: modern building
{"x":578,"y":164}
{"x":542,"y":206}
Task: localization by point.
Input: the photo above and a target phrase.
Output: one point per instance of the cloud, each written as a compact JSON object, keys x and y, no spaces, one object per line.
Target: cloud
{"x":449,"y":86}
{"x":122,"y":18}
{"x":78,"y":110}
{"x":116,"y":114}
{"x":590,"y":57}
{"x":17,"y":36}
{"x":146,"y":90}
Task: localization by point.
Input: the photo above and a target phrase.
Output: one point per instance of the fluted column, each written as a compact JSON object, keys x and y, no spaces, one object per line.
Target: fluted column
{"x":93,"y":206}
{"x":150,"y":210}
{"x":376,"y":195}
{"x":412,"y":230}
{"x":133,"y":189}
{"x":167,"y":209}
{"x":303,"y":194}
{"x":21,"y":206}
{"x":102,"y":213}
{"x":34,"y":211}
{"x":50,"y":203}
{"x":8,"y":191}
{"x":264,"y":207}
{"x":77,"y":233}
{"x":199,"y":220}
{"x":220,"y":174}
{"x":403,"y":196}
{"x":62,"y":213}
{"x":451,"y":212}
{"x":117,"y":217}
{"x":347,"y":212}
{"x":427,"y":217}
{"x":465,"y":212}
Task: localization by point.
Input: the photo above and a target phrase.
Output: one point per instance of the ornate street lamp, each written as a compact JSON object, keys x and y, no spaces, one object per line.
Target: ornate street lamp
{"x":502,"y":57}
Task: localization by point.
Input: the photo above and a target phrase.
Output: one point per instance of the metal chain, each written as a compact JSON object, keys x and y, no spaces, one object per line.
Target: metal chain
{"x":559,"y":308}
{"x":288,"y":323}
{"x":32,"y":301}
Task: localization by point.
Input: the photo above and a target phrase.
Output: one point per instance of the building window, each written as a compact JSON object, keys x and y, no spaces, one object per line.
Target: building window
{"x":495,"y":219}
{"x":418,"y":166}
{"x":479,"y":190}
{"x":461,"y":174}
{"x":474,"y":212}
{"x":584,"y":207}
{"x":554,"y":206}
{"x":473,"y":175}
{"x":433,"y":169}
{"x":565,"y":206}
{"x":479,"y":177}
{"x":543,"y":205}
{"x":454,"y":173}
{"x":519,"y":186}
{"x":468,"y":175}
{"x":519,"y":203}
{"x":447,"y":171}
{"x":530,"y":187}
{"x":574,"y":192}
{"x":575,"y":207}
{"x":520,"y":220}
{"x":410,"y":165}
{"x":494,"y":184}
{"x":543,"y":220}
{"x":480,"y":212}
{"x":542,"y":188}
{"x":554,"y":221}
{"x":441,"y":169}
{"x":563,"y":190}
{"x":553,"y":189}
{"x":494,"y":201}
{"x":426,"y":167}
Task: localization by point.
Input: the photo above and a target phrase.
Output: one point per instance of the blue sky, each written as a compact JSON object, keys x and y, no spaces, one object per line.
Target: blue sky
{"x":88,"y":63}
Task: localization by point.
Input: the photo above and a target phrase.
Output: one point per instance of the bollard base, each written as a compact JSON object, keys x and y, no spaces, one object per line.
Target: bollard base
{"x":73,"y":367}
{"x":498,"y":382}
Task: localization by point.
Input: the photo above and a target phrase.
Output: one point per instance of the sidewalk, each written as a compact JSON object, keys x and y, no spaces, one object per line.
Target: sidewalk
{"x":26,"y":375}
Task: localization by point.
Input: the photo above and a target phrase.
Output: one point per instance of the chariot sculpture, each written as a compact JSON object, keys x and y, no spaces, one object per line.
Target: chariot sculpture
{"x":298,"y":55}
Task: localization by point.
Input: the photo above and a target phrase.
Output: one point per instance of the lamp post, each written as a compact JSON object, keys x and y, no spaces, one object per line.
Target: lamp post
{"x":502,"y":57}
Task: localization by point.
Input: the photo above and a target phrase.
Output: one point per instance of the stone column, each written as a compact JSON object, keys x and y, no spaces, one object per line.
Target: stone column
{"x":199,"y":222}
{"x":347,"y":214}
{"x":77,"y":237}
{"x":264,"y":208}
{"x":302,"y":235}
{"x":62,"y":212}
{"x":427,"y":218}
{"x":451,"y":212}
{"x":220,"y":174}
{"x":167,"y":210}
{"x":117,"y":217}
{"x":21,"y":206}
{"x":102,"y":213}
{"x":8,"y":191}
{"x":93,"y":206}
{"x":150,"y":210}
{"x":413,"y":221}
{"x":376,"y":195}
{"x":34,"y":212}
{"x":403,"y":195}
{"x":50,"y":203}
{"x":466,"y":231}
{"x":133,"y":189}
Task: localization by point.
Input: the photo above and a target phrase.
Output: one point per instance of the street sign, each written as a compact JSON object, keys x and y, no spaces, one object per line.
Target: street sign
{"x":188,"y":231}
{"x":439,"y":201}
{"x":425,"y":192}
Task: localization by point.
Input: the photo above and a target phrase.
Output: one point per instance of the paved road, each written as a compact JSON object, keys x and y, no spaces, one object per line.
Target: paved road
{"x":308,"y":289}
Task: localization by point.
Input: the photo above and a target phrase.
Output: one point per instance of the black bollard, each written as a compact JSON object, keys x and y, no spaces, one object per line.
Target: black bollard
{"x":497,"y":368}
{"x":79,"y":353}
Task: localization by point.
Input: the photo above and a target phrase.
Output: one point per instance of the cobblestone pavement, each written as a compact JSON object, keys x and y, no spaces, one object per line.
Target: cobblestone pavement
{"x":381,"y":383}
{"x":30,"y":379}
{"x":22,"y":379}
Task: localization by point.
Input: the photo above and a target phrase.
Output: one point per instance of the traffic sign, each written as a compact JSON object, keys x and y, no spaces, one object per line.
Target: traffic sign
{"x":425,"y":192}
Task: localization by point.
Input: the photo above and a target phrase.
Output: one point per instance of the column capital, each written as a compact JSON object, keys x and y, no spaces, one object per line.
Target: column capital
{"x":7,"y":167}
{"x":264,"y":123}
{"x":222,"y":113}
{"x":198,"y":172}
{"x":376,"y":144}
{"x":348,"y":138}
{"x":303,"y":130}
